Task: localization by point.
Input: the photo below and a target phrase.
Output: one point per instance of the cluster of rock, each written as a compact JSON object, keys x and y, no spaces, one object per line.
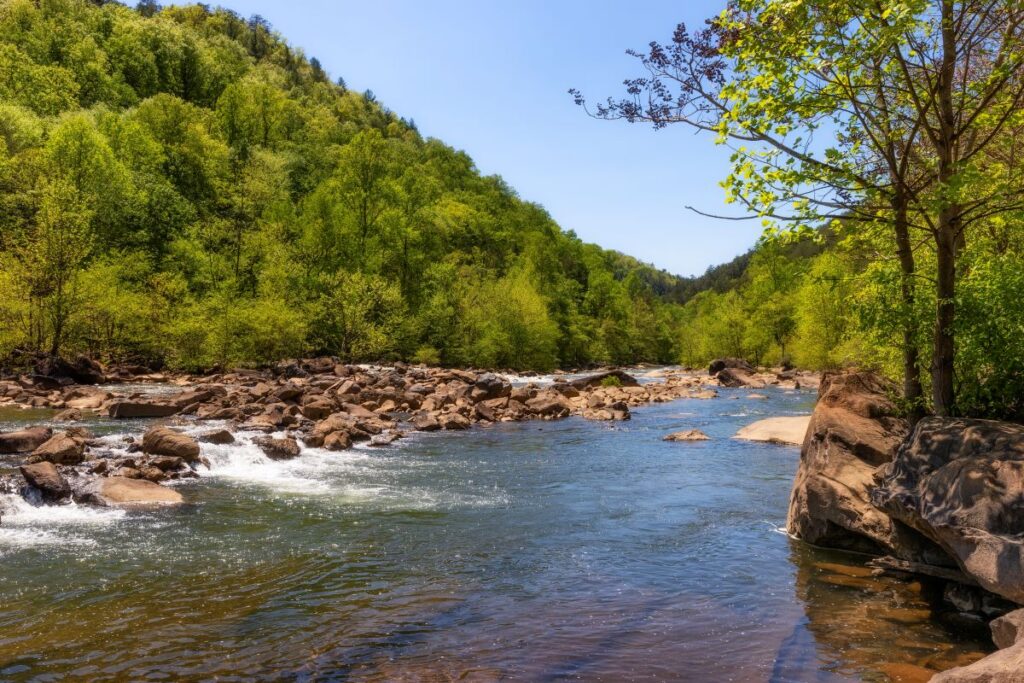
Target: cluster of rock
{"x":318,"y":403}
{"x":943,"y":497}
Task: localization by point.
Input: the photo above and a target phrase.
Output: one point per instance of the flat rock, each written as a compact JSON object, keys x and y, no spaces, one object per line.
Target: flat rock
{"x":780,"y":430}
{"x":122,"y":491}
{"x":129,"y":409}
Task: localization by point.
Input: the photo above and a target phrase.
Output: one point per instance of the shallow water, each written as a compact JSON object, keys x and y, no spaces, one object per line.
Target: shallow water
{"x":548,"y":551}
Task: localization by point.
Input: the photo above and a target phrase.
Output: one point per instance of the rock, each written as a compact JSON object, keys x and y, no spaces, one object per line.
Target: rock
{"x":688,"y":435}
{"x":453,"y":421}
{"x":1007,"y":629}
{"x":217,"y":436}
{"x":337,"y":441}
{"x":166,"y":441}
{"x":1004,"y":666}
{"x":734,"y":377}
{"x":780,"y":430}
{"x":624,"y":379}
{"x":720,"y":364}
{"x":129,"y":409}
{"x":60,"y":449}
{"x":24,"y":440}
{"x":549,"y":405}
{"x":426,"y":422}
{"x":47,"y":478}
{"x":82,"y":369}
{"x":960,"y":483}
{"x":489,"y":386}
{"x":165,"y":463}
{"x":279,"y":449}
{"x":853,"y":430}
{"x":122,"y":491}
{"x":68,"y":415}
{"x":385,"y":439}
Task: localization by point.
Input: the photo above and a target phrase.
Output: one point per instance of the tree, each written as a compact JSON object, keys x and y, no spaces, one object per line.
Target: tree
{"x":903,"y":93}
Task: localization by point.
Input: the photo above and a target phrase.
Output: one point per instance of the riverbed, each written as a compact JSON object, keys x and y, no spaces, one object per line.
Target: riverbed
{"x":538,"y":551}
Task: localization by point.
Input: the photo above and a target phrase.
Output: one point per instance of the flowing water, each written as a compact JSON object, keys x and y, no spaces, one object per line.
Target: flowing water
{"x":549,"y":551}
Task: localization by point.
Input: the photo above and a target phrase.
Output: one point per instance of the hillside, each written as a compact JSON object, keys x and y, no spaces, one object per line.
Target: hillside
{"x":181,"y":186}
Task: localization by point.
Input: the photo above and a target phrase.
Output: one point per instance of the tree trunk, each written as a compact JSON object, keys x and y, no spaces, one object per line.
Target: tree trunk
{"x":912,"y":390}
{"x":944,"y":353}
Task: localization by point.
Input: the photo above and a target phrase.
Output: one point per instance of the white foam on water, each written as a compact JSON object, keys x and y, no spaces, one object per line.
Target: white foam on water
{"x":26,"y":525}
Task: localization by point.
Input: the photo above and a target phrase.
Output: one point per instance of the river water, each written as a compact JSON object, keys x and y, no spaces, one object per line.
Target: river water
{"x":541,"y":551}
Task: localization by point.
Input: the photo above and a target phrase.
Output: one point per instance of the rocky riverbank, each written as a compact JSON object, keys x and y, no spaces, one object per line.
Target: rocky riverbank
{"x":942,"y":498}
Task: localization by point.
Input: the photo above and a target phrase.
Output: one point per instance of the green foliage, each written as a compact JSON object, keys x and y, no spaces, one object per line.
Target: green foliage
{"x":179,"y":185}
{"x":611,"y":381}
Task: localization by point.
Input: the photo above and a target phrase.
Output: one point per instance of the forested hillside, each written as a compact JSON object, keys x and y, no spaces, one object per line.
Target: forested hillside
{"x":181,"y":186}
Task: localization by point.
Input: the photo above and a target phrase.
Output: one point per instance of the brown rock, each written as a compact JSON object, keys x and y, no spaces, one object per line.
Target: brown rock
{"x":47,"y":478}
{"x":24,"y":440}
{"x":337,"y":441}
{"x":166,"y":441}
{"x":217,"y":436}
{"x":453,"y":421}
{"x":129,"y":409}
{"x":1008,"y":629}
{"x":279,"y":449}
{"x":61,"y":449}
{"x":853,"y":430}
{"x":426,"y":422}
{"x":624,"y":379}
{"x":734,"y":377}
{"x":122,"y":491}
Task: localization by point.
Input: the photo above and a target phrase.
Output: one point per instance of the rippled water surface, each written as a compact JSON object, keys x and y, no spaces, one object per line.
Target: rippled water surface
{"x":539,"y":551}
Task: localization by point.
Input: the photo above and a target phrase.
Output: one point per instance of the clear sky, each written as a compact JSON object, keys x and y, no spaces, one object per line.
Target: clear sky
{"x":491,"y":78}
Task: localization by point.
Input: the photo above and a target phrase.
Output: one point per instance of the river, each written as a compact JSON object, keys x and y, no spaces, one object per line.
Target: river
{"x":540,"y":551}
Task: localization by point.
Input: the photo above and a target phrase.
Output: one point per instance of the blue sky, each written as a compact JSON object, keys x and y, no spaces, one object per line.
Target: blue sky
{"x":491,"y":78}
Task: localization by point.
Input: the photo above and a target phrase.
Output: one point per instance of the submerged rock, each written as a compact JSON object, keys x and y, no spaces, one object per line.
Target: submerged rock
{"x":780,"y":430}
{"x":1004,"y":666}
{"x":688,"y":435}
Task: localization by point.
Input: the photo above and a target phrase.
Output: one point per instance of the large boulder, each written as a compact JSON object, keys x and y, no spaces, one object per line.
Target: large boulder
{"x":45,"y":477}
{"x":960,"y":483}
{"x":122,"y":491}
{"x":24,"y":440}
{"x":60,"y":449}
{"x":82,"y":370}
{"x":854,"y":430}
{"x":166,"y":441}
{"x":781,"y":430}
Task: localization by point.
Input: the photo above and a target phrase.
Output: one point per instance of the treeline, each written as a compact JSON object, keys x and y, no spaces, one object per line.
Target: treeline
{"x":180,"y":186}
